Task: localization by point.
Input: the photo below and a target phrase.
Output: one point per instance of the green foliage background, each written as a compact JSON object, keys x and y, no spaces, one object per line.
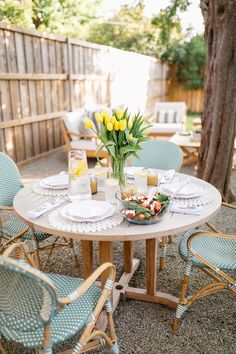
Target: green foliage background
{"x":160,"y":36}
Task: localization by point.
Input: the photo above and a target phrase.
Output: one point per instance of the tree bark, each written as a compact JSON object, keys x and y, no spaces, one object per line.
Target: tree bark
{"x":219,"y":112}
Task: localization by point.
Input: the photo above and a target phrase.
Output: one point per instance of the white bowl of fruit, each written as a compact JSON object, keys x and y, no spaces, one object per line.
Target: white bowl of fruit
{"x":146,"y":209}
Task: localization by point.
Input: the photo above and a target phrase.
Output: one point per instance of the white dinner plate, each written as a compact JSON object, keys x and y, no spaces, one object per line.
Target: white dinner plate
{"x":55,"y":182}
{"x":88,"y":209}
{"x":190,"y":190}
{"x":64,"y":214}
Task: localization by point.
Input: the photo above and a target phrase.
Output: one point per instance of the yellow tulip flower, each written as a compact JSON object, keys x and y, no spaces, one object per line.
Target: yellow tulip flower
{"x":123,"y":124}
{"x":88,"y":123}
{"x":130,"y":124}
{"x":117,"y":125}
{"x":113,"y":120}
{"x":133,"y":118}
{"x":99,"y":117}
{"x":119,"y":114}
{"x":109,"y":126}
{"x":107,"y":119}
{"x":104,"y":114}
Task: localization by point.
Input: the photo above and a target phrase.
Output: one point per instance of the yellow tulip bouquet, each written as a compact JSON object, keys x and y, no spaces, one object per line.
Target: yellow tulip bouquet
{"x":121,"y":135}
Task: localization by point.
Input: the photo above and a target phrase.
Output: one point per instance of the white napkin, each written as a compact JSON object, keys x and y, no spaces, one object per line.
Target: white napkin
{"x":167,"y":176}
{"x":177,"y":208}
{"x":45,"y":207}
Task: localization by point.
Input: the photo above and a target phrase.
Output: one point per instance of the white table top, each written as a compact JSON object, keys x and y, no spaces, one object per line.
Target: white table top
{"x":170,"y":224}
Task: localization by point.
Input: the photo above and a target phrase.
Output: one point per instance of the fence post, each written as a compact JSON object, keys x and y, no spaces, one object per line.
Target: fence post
{"x":70,"y":83}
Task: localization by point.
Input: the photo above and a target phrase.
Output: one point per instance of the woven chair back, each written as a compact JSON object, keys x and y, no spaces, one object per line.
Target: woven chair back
{"x":219,"y":252}
{"x":10,"y":182}
{"x":27,"y":297}
{"x":163,"y":155}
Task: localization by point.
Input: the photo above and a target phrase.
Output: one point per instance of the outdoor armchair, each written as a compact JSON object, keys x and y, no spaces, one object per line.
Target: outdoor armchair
{"x":77,"y":136}
{"x":213,"y":253}
{"x":11,"y":227}
{"x":42,"y":310}
{"x":169,"y":118}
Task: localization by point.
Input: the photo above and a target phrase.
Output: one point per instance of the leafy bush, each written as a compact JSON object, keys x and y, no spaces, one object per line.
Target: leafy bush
{"x":190,"y":59}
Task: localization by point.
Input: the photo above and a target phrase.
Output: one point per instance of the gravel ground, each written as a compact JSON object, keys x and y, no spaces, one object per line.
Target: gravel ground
{"x":142,"y":327}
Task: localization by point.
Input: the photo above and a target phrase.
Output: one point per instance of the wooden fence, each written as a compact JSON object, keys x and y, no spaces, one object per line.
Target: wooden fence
{"x":43,"y":75}
{"x":193,"y":98}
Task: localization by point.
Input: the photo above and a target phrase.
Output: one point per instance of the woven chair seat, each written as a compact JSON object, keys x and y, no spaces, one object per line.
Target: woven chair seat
{"x":14,"y":226}
{"x":220,"y":252}
{"x":64,"y":324}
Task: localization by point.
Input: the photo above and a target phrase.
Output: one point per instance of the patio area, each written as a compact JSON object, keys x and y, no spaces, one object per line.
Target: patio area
{"x":144,"y":327}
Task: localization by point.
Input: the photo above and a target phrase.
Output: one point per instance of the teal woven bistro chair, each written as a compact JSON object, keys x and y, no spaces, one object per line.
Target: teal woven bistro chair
{"x":13,"y":229}
{"x":42,"y":310}
{"x":163,"y":155}
{"x":213,"y":253}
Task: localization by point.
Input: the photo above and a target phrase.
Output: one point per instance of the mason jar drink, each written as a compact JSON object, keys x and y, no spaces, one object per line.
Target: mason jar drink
{"x":141,"y":181}
{"x":79,"y":181}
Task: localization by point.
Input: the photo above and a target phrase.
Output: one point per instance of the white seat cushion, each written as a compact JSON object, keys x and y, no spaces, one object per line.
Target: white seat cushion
{"x":72,"y":121}
{"x":83,"y":144}
{"x":165,"y":128}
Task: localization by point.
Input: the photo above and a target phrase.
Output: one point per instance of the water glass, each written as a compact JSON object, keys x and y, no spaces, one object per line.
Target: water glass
{"x":141,"y":181}
{"x":111,"y":189}
{"x":101,"y":175}
{"x":79,"y":181}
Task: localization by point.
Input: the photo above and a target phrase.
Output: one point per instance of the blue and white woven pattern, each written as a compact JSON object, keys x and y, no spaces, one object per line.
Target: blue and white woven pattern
{"x":24,"y":312}
{"x":14,"y":226}
{"x":220,"y":252}
{"x":163,"y":155}
{"x":10,"y":182}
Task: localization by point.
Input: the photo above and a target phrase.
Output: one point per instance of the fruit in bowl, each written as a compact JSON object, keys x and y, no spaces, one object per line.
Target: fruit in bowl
{"x":146,"y":209}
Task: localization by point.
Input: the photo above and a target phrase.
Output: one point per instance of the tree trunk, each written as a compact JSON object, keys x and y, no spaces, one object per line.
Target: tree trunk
{"x":219,"y":113}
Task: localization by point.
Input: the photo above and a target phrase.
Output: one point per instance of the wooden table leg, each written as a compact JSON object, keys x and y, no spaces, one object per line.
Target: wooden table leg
{"x":128,"y":256}
{"x":150,"y":294}
{"x":151,"y":265}
{"x":106,"y":255}
{"x":87,"y":254}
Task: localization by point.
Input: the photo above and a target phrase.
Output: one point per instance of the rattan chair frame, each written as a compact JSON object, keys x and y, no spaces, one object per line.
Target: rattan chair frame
{"x":221,"y":280}
{"x":89,"y":338}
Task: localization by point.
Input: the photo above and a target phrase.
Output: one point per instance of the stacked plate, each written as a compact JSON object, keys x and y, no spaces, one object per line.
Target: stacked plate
{"x":87,"y":210}
{"x":55,"y":182}
{"x":190,"y":190}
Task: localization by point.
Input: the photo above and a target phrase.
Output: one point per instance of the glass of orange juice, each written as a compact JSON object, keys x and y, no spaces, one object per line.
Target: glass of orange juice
{"x":79,"y":181}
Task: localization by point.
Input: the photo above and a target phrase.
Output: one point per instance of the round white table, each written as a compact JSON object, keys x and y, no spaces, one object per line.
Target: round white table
{"x":126,"y":232}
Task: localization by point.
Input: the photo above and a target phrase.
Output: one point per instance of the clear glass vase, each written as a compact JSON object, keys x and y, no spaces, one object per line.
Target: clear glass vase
{"x":117,"y":166}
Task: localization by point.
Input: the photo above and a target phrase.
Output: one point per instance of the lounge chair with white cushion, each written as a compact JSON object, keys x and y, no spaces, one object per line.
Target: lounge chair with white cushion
{"x":169,"y":118}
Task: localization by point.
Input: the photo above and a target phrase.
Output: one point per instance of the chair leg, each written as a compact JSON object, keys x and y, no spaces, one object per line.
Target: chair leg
{"x":162,"y":247}
{"x":181,"y":308}
{"x":2,"y":350}
{"x":74,"y":255}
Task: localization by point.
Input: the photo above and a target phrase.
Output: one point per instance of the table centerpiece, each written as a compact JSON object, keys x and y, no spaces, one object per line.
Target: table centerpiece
{"x":121,"y":134}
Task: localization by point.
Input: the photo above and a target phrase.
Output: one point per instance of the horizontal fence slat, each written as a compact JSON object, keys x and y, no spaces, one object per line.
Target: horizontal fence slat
{"x":32,"y":119}
{"x":32,"y":76}
{"x":91,"y":77}
{"x":31,"y":32}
